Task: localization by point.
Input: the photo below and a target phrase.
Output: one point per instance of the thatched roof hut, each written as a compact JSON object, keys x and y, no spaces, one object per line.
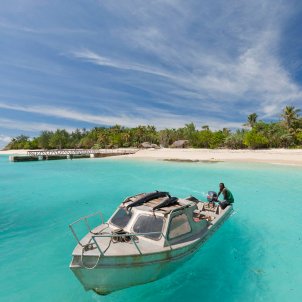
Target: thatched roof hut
{"x":180,"y":144}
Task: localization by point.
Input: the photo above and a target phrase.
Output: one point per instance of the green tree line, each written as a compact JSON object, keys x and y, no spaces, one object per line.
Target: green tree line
{"x":286,"y":133}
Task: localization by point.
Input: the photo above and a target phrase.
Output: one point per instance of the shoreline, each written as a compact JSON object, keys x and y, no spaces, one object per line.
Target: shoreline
{"x":272,"y":156}
{"x":269,"y":156}
{"x":14,"y":152}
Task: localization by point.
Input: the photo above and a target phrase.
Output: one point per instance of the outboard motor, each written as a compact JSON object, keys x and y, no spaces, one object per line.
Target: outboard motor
{"x":212,"y":196}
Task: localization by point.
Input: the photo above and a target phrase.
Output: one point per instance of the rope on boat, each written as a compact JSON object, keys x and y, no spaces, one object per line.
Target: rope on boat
{"x":90,"y":246}
{"x":97,"y":262}
{"x":100,"y":232}
{"x":105,"y":250}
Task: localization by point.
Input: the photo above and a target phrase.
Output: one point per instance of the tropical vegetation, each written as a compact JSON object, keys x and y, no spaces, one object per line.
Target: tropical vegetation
{"x":285,"y":133}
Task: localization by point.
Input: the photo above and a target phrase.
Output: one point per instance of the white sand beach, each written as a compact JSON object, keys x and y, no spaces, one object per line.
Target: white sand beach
{"x":13,"y":152}
{"x":274,"y":156}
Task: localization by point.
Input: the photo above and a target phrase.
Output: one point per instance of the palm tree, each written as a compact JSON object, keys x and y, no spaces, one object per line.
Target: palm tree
{"x":126,"y":137}
{"x":226,"y":131}
{"x":103,"y":139}
{"x":290,"y":114}
{"x":252,"y":120}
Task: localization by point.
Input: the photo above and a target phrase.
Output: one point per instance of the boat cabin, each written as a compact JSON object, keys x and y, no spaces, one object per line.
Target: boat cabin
{"x":162,"y":218}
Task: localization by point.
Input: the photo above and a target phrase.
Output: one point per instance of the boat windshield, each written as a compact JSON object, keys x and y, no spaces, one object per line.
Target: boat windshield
{"x":121,"y":218}
{"x":179,"y":226}
{"x":149,"y":224}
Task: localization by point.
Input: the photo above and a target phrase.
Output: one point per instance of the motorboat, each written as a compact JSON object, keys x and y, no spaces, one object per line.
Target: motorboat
{"x":148,"y":237}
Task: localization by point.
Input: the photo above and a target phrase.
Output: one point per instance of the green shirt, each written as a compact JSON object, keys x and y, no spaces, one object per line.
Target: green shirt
{"x":228,"y":196}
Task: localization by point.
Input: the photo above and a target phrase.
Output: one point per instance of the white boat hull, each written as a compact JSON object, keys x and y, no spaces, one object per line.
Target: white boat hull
{"x":107,"y":278}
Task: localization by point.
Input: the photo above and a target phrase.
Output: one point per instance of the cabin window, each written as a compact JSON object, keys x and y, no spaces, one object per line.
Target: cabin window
{"x":149,"y":224}
{"x":121,"y":218}
{"x":179,"y":225}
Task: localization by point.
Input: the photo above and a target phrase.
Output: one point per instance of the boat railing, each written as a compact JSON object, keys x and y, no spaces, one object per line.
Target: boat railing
{"x":86,"y":222}
{"x":132,"y":236}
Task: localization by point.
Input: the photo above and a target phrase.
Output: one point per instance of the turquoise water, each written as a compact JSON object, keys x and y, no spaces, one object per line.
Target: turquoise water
{"x":255,"y":256}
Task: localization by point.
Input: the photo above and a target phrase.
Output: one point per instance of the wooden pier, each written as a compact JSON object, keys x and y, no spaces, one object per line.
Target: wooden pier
{"x":58,"y":154}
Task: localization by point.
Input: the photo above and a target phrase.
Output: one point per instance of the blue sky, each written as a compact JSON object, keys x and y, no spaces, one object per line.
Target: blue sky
{"x":69,"y":64}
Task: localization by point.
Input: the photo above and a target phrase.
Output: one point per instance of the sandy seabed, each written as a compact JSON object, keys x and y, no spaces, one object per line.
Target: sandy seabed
{"x":274,"y":156}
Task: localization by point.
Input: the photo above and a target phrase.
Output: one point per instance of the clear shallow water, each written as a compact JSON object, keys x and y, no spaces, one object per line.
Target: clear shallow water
{"x":255,"y":256}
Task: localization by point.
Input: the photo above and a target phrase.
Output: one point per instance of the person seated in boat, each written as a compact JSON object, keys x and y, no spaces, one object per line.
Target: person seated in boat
{"x":227,"y":196}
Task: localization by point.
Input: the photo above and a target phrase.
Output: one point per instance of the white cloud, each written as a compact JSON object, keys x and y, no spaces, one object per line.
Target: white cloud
{"x":230,"y":57}
{"x":4,"y":140}
{"x":103,"y":61}
{"x":255,"y":76}
{"x":167,"y":62}
{"x":69,"y":113}
{"x":142,"y":116}
{"x":30,"y":126}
